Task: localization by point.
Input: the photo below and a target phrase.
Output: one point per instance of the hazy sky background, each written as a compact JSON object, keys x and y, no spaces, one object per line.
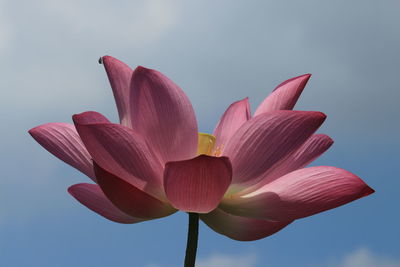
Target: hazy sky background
{"x":218,"y":52}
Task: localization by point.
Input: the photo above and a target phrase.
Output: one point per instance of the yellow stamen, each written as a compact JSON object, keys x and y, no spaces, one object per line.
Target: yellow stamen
{"x":206,"y":144}
{"x":218,"y":150}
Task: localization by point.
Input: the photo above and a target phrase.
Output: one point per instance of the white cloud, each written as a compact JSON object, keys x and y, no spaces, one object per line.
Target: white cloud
{"x":361,"y":257}
{"x":218,"y":260}
{"x":365,"y":258}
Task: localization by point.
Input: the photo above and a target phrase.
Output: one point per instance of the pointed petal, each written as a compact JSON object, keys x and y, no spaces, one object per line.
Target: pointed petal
{"x":198,"y":184}
{"x":162,"y":113}
{"x":299,"y":194}
{"x":130,"y":199}
{"x":315,"y":146}
{"x":123,"y":152}
{"x":284,"y":96}
{"x":264,"y":140}
{"x":62,"y":140}
{"x":119,"y":74}
{"x":236,"y":114}
{"x":241,"y":228}
{"x":91,"y":196}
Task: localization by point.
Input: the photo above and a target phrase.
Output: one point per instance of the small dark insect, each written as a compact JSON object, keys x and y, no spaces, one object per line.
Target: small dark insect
{"x":100,"y":60}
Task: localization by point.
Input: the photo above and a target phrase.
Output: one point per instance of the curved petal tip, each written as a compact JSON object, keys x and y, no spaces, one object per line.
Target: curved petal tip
{"x":89,"y":117}
{"x":303,"y":78}
{"x":367,"y":191}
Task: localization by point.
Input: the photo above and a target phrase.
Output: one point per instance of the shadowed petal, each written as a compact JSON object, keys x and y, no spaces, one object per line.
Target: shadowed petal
{"x":62,"y":140}
{"x":91,"y":196}
{"x":119,"y":74}
{"x":197,"y":185}
{"x":162,"y":113}
{"x":130,"y":199}
{"x":284,"y":96}
{"x":241,"y":228}
{"x":299,"y":194}
{"x":123,"y":152}
{"x":315,"y":146}
{"x":264,"y":140}
{"x":236,"y":114}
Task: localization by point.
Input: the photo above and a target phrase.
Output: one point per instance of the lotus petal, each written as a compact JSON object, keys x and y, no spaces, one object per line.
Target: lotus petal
{"x":241,"y":228}
{"x":236,"y":114}
{"x":162,"y":113}
{"x":265,"y":140}
{"x":119,"y":75}
{"x":62,"y":140}
{"x":315,"y":146}
{"x":123,"y":152}
{"x":129,"y":198}
{"x":299,"y":194}
{"x":91,"y":196}
{"x":284,"y":96}
{"x":197,"y":185}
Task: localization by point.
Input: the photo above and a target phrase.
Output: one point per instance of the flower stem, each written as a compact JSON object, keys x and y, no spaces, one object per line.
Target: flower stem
{"x":191,"y":245}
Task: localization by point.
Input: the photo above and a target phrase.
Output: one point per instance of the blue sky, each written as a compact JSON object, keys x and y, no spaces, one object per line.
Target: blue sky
{"x":218,"y":52}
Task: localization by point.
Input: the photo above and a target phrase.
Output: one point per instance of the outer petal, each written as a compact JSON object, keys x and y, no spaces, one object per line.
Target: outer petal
{"x":162,"y":113}
{"x":299,"y":194}
{"x":197,"y":185}
{"x":119,"y":75}
{"x":241,"y":228}
{"x":130,"y":199}
{"x":264,"y":140}
{"x":236,"y":114}
{"x":62,"y":140}
{"x":284,"y":95}
{"x":122,"y":152}
{"x":91,"y":196}
{"x":308,"y":152}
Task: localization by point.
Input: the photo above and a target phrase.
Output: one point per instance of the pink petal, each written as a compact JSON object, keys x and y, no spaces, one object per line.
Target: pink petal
{"x":264,"y":140}
{"x":62,"y":140}
{"x":236,"y":114}
{"x":130,"y":199}
{"x":162,"y":113}
{"x":91,"y":196}
{"x":284,"y":96}
{"x":315,"y":146}
{"x":90,"y":117}
{"x":241,"y":228}
{"x":299,"y":194}
{"x":119,"y":75}
{"x":123,"y":152}
{"x":198,"y":184}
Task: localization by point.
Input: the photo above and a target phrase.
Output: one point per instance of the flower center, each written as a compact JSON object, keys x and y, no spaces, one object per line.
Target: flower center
{"x":205,"y":144}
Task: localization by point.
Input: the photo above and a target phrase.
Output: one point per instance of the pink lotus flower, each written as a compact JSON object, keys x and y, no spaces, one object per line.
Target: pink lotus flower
{"x":247,"y":180}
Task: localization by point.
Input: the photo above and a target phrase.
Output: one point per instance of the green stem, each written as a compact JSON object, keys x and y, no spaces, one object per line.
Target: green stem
{"x":191,"y":245}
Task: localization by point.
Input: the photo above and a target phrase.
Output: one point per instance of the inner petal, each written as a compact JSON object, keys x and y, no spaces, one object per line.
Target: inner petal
{"x":206,"y":143}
